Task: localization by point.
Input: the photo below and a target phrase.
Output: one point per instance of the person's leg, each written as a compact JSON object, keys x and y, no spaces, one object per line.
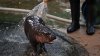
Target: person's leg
{"x":84,"y":10}
{"x":90,"y":17}
{"x":75,"y":13}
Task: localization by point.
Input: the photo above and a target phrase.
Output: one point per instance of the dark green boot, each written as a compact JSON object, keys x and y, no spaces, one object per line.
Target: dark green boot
{"x":90,"y":17}
{"x":73,"y":27}
{"x":90,"y":29}
{"x":75,"y":13}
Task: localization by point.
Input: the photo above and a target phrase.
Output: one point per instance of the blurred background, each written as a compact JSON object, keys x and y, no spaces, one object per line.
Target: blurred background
{"x":57,"y":8}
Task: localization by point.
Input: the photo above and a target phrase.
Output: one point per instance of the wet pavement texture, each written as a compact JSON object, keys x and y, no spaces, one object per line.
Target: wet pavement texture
{"x":13,"y":42}
{"x":90,"y":42}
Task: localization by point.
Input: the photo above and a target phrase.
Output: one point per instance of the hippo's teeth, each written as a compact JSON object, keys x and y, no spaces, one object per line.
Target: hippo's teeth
{"x":51,"y":42}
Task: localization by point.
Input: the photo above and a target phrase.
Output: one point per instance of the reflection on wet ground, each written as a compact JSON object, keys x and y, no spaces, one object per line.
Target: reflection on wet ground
{"x":13,"y":42}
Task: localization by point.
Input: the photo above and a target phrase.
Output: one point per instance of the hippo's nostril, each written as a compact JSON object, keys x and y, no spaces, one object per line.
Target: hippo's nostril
{"x":54,"y":37}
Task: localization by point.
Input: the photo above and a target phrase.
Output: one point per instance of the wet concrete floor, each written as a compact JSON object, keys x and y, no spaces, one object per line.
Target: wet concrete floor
{"x":90,"y":43}
{"x":13,"y":42}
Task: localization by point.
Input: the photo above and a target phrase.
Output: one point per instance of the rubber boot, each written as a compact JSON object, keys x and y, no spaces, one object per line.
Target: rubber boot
{"x":90,"y":18}
{"x":75,"y":13}
{"x":90,"y":29}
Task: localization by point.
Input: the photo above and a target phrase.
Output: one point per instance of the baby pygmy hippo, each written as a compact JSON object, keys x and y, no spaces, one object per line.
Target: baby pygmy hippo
{"x":38,"y":33}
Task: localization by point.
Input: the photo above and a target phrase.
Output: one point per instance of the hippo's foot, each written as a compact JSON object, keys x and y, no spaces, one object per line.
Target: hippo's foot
{"x":39,"y":49}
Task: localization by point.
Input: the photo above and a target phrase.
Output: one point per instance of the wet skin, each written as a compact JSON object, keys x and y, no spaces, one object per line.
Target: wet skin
{"x":38,"y":33}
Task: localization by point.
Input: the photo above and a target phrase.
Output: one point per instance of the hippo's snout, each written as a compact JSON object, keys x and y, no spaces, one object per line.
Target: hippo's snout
{"x":53,"y":36}
{"x":50,"y":37}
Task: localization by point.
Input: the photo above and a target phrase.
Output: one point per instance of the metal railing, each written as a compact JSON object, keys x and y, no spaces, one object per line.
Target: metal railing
{"x":48,"y":15}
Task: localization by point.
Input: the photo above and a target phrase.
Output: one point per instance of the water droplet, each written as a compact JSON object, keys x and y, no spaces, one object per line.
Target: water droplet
{"x":7,"y":28}
{"x":18,"y":25}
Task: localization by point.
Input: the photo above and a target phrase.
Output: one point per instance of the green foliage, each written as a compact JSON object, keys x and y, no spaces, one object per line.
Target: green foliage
{"x":25,"y":4}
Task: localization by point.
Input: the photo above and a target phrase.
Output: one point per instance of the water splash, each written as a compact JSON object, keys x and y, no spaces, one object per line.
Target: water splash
{"x":40,"y":10}
{"x":15,"y":43}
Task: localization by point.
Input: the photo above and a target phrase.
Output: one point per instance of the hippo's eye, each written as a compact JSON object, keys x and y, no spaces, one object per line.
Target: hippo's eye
{"x":47,"y":33}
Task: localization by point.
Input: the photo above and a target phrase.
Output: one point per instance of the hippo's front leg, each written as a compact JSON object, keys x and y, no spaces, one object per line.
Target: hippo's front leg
{"x":43,"y":47}
{"x":40,"y":49}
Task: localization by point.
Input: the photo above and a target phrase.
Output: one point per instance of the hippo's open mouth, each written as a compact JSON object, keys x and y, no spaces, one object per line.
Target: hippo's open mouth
{"x":44,"y":39}
{"x":51,"y":42}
